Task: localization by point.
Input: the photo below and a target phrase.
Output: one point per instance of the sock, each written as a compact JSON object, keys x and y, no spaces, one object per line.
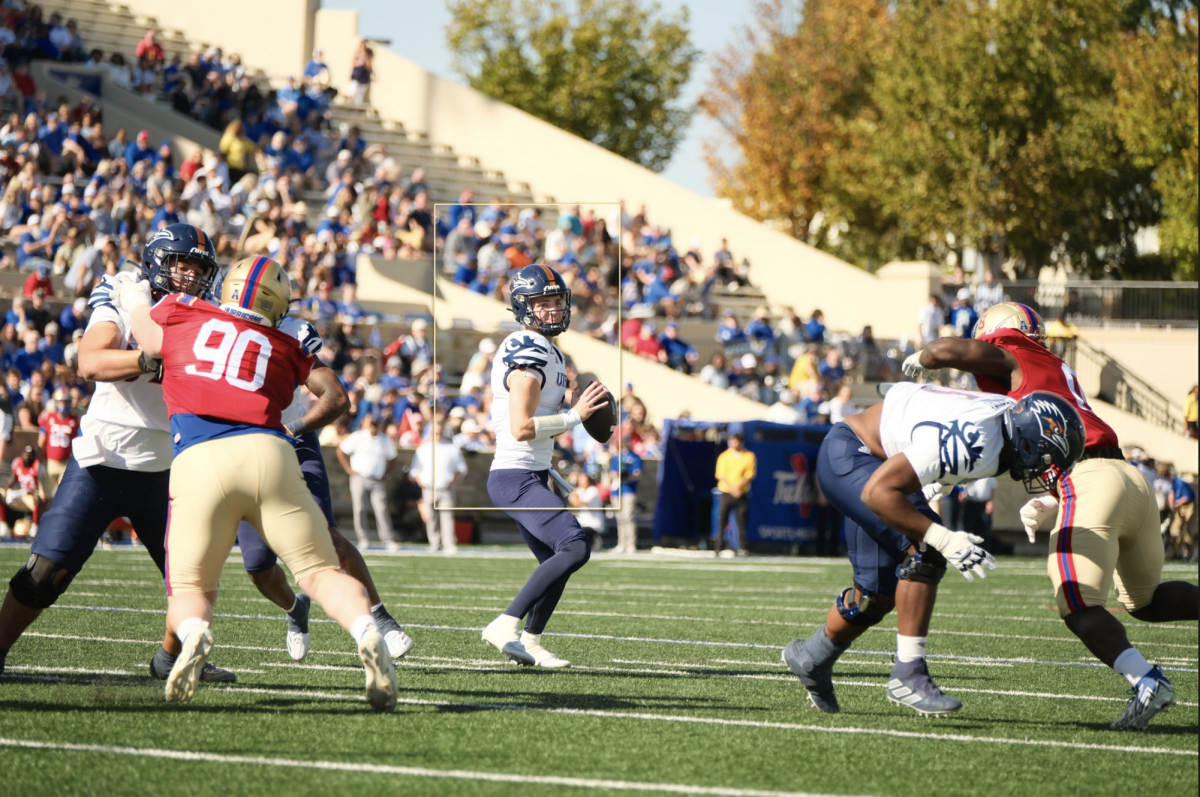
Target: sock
{"x":1132,"y":665}
{"x":910,"y":648}
{"x":507,"y":622}
{"x":378,"y":608}
{"x":188,"y":626}
{"x":164,"y":661}
{"x":295,"y":605}
{"x":362,"y":626}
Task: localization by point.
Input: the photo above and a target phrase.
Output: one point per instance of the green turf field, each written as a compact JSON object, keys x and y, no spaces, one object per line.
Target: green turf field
{"x":677,"y":688}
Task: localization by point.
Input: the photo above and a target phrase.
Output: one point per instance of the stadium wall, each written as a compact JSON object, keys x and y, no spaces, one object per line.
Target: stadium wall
{"x":568,"y":169}
{"x":1164,"y":358}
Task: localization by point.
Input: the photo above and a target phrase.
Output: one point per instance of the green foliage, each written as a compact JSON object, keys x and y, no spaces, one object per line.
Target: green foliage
{"x":971,"y":123}
{"x":609,"y":71}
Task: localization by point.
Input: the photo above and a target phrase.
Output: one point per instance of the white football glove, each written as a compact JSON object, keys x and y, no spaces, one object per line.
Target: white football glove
{"x":1034,"y":512}
{"x":128,"y":296}
{"x":961,"y":550}
{"x":914,"y":370}
{"x":935,"y":492}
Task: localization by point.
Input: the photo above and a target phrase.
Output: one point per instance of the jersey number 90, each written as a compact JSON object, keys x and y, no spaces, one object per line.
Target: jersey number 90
{"x":227,"y":356}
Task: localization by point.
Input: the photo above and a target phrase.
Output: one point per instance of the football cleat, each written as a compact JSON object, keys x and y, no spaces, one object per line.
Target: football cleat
{"x":382,"y":690}
{"x":541,"y":657}
{"x":185,"y":674}
{"x":816,"y":677}
{"x":507,"y":642}
{"x":398,"y":642}
{"x":1153,"y":694}
{"x":911,"y":686}
{"x":161,"y":664}
{"x":297,"y":633}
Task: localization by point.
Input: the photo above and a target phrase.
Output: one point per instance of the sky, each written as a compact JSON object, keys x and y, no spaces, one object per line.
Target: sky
{"x":418,"y":32}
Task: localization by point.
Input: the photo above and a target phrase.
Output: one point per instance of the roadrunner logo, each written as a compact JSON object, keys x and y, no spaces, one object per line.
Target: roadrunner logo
{"x":1053,"y":424}
{"x":524,"y":352}
{"x":523,"y":283}
{"x":959,"y":444}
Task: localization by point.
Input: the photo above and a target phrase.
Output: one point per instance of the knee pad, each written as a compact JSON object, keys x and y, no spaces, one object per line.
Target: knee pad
{"x":40,"y":582}
{"x":867,"y":611}
{"x":923,"y":567}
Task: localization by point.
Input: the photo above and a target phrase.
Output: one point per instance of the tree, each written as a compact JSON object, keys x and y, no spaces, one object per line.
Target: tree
{"x":1156,"y":117}
{"x":609,"y":71}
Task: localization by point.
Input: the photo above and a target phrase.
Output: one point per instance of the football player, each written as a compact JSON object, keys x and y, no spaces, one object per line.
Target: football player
{"x":873,"y":468}
{"x":529,"y":384}
{"x":302,"y":424}
{"x":1106,"y":529}
{"x":29,"y":494}
{"x":56,"y":429}
{"x":121,"y":459}
{"x":228,"y":375}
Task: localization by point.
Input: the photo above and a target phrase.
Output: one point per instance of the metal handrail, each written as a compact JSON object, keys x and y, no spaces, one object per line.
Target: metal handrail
{"x":1126,"y":390}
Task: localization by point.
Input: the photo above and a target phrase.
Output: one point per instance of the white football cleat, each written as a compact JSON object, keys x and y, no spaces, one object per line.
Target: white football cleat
{"x":382,"y":690}
{"x":503,"y":638}
{"x":185,"y":674}
{"x":297,"y":633}
{"x":398,"y":643}
{"x":541,"y":656}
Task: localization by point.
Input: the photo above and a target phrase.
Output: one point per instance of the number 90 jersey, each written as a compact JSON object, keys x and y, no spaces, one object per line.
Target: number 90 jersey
{"x":218,"y":366}
{"x":526,"y":355}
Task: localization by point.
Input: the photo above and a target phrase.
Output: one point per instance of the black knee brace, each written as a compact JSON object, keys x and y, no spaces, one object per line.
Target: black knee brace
{"x":867,"y":611}
{"x":40,"y":582}
{"x":924,"y":567}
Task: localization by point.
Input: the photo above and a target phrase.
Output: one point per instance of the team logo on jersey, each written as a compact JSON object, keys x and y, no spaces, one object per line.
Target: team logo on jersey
{"x":958,"y":443}
{"x":525,"y":352}
{"x":1053,"y":424}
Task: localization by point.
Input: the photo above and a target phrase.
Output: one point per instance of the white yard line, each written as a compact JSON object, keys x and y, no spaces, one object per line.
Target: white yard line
{"x":388,"y":769}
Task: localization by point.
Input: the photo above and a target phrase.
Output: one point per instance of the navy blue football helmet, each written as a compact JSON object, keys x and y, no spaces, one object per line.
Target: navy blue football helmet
{"x":168,"y":247}
{"x":1045,"y":437}
{"x":532,"y":282}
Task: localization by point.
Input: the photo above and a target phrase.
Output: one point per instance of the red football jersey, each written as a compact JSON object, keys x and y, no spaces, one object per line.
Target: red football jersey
{"x":1041,"y":370}
{"x":60,"y":430}
{"x":27,"y":477}
{"x":220,"y":366}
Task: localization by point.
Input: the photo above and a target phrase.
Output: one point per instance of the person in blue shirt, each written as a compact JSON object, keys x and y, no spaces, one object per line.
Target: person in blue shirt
{"x":627,"y":469}
{"x":51,"y":346}
{"x":654,"y":292}
{"x":140,"y":150}
{"x":681,"y":355}
{"x":168,"y":213}
{"x":73,"y":317}
{"x":815,"y":328}
{"x":34,"y":245}
{"x":759,"y":330}
{"x":1182,"y":502}
{"x":831,"y":370}
{"x":462,"y":208}
{"x":52,"y":134}
{"x":348,"y":309}
{"x":322,"y":306}
{"x":316,"y":67}
{"x":729,"y":332}
{"x":29,"y":359}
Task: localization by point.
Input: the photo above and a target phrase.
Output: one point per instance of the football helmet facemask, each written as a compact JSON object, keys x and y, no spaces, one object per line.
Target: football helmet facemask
{"x":257,"y":289}
{"x":1045,"y":438}
{"x":532,"y":282}
{"x":172,"y":245}
{"x":1010,"y":315}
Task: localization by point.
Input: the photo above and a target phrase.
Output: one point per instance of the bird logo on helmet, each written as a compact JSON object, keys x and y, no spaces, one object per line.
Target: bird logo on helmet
{"x":172,"y":245}
{"x":1010,"y":315}
{"x":1046,"y":438}
{"x":257,"y":289}
{"x":531,"y":283}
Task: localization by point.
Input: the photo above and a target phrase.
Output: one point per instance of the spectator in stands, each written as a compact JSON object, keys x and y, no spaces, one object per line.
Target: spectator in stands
{"x":316,"y":69}
{"x":39,"y":279}
{"x":8,"y":89}
{"x":30,"y":358}
{"x":647,"y":345}
{"x":458,"y":260}
{"x":784,"y":411}
{"x":626,"y":468}
{"x":815,"y":328}
{"x":1191,"y":413}
{"x":842,"y":405}
{"x":729,"y":334}
{"x":73,"y":317}
{"x":759,"y":331}
{"x":1182,"y":503}
{"x":989,"y":293}
{"x":680,"y":354}
{"x":715,"y":372}
{"x":25,"y":87}
{"x":361,"y":68}
{"x":831,"y":371}
{"x":736,"y":469}
{"x":51,"y":346}
{"x":37,"y":315}
{"x":35,"y":246}
{"x":140,"y":150}
{"x":238,"y":150}
{"x":962,"y":314}
{"x":930,"y":320}
{"x":149,"y":48}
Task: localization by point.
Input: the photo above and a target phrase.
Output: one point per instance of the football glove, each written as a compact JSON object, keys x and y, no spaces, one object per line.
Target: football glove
{"x":914,"y":370}
{"x":961,"y":550}
{"x":102,"y":294}
{"x":309,"y":338}
{"x":1035,"y":511}
{"x":128,"y":296}
{"x":934,"y":492}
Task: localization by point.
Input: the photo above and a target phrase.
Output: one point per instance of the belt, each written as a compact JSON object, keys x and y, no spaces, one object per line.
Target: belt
{"x":1102,"y":453}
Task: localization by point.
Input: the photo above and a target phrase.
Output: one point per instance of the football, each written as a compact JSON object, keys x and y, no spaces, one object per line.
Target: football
{"x":603,"y":422}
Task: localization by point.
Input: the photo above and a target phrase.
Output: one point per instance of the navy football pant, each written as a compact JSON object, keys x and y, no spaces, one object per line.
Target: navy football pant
{"x":844,"y":465}
{"x":256,"y":555}
{"x":89,"y":499}
{"x":552,"y":534}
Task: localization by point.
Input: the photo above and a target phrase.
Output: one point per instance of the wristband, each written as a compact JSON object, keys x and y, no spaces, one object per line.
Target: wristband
{"x":295,"y":428}
{"x":547,"y":426}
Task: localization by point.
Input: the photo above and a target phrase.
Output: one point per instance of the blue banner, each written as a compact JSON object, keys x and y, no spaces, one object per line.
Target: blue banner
{"x":783,"y":494}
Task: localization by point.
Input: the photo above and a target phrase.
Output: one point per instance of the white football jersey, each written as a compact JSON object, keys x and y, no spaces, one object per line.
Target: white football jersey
{"x":126,"y":424}
{"x":526,"y":355}
{"x":301,"y":331}
{"x":949,"y":436}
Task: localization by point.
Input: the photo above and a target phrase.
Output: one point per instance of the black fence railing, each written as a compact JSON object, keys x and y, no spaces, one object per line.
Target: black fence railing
{"x":1106,"y":302}
{"x":1117,"y":386}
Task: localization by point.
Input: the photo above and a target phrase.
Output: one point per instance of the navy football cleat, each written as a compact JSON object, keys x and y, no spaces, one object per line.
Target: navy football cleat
{"x":911,"y":686}
{"x":816,"y":676}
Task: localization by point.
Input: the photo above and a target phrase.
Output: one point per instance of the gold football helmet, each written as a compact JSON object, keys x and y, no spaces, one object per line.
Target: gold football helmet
{"x":257,"y":289}
{"x":1010,"y":315}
